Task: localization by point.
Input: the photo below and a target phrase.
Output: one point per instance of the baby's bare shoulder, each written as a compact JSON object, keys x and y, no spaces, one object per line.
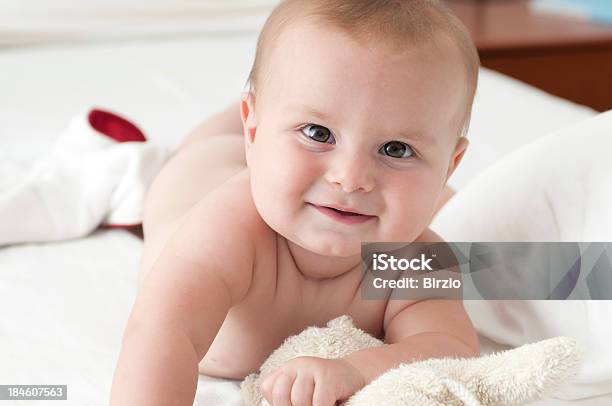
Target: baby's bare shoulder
{"x":225,"y":229}
{"x":232,"y":204}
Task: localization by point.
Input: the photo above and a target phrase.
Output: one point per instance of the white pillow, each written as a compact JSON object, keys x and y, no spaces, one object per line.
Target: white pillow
{"x":506,"y":115}
{"x":557,"y":188}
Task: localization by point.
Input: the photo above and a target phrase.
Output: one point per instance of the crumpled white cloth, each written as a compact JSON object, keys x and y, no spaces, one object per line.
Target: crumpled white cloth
{"x":513,"y":377}
{"x":88,"y":179}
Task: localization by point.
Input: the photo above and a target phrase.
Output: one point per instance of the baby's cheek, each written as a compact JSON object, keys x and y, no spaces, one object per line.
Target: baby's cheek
{"x":410,"y":208}
{"x":284,"y":176}
{"x":299,"y":169}
{"x":407,"y":222}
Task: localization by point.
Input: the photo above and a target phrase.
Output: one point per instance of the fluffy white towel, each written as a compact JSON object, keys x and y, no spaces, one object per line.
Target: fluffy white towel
{"x":97,"y":173}
{"x":512,"y":377}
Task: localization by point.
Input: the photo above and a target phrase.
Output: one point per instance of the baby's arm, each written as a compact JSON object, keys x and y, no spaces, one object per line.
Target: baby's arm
{"x":417,"y":330}
{"x":202,"y":271}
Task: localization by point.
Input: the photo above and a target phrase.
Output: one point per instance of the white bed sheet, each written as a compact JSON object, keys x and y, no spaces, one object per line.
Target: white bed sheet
{"x":64,"y":305}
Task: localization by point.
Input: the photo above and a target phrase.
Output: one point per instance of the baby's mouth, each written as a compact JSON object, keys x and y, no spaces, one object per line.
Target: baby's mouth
{"x":346,"y":213}
{"x":343,"y":216}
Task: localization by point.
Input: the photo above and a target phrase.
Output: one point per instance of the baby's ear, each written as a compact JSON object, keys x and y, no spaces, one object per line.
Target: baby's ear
{"x":457,"y":156}
{"x":247,"y":113}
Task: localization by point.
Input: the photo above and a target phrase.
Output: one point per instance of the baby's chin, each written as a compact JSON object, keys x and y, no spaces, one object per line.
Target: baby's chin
{"x":314,"y":239}
{"x":332,"y":243}
{"x":339,"y":246}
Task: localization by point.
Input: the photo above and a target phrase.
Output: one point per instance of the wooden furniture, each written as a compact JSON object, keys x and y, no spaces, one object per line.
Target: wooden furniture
{"x":562,"y":55}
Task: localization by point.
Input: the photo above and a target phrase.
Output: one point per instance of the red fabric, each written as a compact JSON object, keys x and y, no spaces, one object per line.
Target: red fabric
{"x":135,"y":229}
{"x":115,"y":127}
{"x":120,"y":130}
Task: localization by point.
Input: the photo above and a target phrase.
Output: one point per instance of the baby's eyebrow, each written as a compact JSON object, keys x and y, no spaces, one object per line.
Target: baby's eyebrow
{"x":418,"y":136}
{"x":412,"y":135}
{"x":308,"y":110}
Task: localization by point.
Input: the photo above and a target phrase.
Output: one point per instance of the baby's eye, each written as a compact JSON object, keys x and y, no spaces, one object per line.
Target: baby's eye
{"x":317,"y":133}
{"x":396,"y":149}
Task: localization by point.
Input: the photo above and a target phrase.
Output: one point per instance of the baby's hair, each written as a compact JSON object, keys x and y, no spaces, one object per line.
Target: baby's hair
{"x":396,"y":24}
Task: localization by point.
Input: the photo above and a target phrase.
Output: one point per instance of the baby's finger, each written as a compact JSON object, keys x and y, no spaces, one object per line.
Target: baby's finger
{"x":281,"y":392}
{"x":267,"y":382}
{"x":323,"y":395}
{"x":302,"y":390}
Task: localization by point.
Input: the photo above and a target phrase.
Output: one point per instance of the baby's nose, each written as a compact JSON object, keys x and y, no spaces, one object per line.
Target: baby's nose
{"x":351,"y":172}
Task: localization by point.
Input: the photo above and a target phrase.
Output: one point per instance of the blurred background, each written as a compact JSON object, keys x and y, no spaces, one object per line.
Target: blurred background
{"x":561,"y":46}
{"x":35,"y":22}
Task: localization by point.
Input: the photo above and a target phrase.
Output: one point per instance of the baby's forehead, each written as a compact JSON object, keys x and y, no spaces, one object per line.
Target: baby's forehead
{"x":324,"y":70}
{"x":327,"y":47}
{"x":321,"y":32}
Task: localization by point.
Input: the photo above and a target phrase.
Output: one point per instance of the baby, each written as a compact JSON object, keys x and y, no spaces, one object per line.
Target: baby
{"x":354,"y":120}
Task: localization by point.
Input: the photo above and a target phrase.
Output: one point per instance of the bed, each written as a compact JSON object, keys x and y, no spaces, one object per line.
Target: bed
{"x":64,"y":305}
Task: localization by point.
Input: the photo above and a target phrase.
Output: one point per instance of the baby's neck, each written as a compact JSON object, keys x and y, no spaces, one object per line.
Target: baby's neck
{"x":320,"y":267}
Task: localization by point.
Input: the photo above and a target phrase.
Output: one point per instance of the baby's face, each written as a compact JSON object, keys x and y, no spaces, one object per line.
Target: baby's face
{"x":338,"y":124}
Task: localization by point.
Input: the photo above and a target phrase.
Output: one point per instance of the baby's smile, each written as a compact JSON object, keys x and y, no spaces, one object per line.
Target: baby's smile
{"x":343,"y":214}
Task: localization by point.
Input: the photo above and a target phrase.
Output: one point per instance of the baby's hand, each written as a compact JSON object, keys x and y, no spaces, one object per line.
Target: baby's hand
{"x":311,"y":381}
